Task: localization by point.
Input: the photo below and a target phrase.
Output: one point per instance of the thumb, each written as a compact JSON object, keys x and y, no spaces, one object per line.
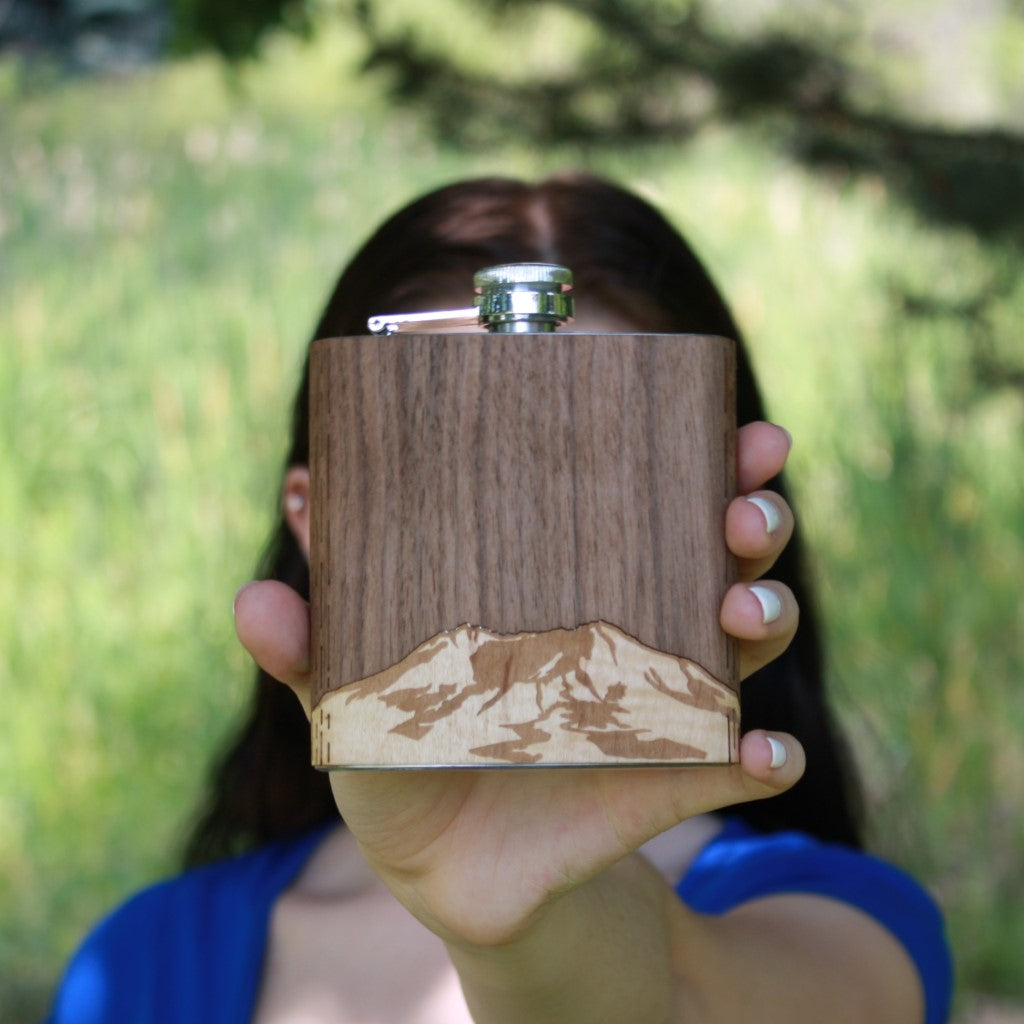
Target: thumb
{"x":771,"y":762}
{"x":272,"y":622}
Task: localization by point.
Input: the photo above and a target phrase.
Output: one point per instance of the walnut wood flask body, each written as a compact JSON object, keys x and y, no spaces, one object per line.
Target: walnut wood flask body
{"x":517,"y":550}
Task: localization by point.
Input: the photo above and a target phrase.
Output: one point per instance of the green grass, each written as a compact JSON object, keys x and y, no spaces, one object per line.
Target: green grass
{"x":165,"y":243}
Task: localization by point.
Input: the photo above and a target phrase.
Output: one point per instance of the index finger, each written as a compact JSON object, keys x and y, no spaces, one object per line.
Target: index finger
{"x":761,"y":452}
{"x":272,"y":621}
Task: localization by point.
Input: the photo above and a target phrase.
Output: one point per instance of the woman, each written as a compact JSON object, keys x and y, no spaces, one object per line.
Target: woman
{"x":525,"y":896}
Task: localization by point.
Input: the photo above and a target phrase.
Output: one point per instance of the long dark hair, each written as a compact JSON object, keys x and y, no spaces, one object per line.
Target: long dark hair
{"x":626,"y":259}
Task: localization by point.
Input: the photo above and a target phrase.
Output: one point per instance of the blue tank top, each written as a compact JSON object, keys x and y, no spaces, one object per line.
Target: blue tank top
{"x":191,"y":948}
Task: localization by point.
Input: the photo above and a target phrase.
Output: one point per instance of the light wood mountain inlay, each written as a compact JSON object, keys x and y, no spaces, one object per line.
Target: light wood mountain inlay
{"x":471,"y":697}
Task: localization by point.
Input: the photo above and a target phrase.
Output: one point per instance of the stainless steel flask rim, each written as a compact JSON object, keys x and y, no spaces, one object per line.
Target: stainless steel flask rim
{"x":512,"y":298}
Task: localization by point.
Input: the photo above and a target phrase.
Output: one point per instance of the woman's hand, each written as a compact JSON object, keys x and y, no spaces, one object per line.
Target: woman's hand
{"x":480,"y":857}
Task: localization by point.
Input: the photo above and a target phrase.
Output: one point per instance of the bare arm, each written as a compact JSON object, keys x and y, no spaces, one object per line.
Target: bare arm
{"x":624,"y":948}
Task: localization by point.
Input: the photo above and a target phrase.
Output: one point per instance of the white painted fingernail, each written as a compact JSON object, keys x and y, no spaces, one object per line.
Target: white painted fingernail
{"x":779,"y":754}
{"x":771,"y":606}
{"x":294,"y":502}
{"x":772,"y":519}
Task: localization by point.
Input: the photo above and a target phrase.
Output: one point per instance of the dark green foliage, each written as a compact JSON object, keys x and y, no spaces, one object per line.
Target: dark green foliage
{"x":234,"y":28}
{"x":653,"y":78}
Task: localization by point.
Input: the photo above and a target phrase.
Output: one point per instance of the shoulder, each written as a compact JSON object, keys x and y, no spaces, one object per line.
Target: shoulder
{"x":741,"y":864}
{"x":173,"y":949}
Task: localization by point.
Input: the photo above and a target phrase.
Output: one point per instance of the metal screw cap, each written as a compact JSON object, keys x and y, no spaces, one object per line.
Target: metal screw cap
{"x":521,"y":298}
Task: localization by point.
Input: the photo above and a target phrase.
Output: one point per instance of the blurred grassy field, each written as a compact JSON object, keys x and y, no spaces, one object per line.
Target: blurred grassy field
{"x":165,"y":243}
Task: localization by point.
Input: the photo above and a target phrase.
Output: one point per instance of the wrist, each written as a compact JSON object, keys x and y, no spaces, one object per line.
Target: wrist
{"x":599,"y":952}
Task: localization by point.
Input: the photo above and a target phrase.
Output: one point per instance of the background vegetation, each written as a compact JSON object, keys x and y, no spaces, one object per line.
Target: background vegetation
{"x":165,"y":242}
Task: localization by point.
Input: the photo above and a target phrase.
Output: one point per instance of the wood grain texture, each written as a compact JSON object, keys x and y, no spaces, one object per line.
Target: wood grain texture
{"x":521,"y":483}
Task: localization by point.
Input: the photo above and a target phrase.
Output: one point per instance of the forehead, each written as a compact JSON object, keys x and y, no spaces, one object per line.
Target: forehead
{"x":596,"y":319}
{"x":590,"y":321}
{"x":598,"y":310}
{"x":603,"y":303}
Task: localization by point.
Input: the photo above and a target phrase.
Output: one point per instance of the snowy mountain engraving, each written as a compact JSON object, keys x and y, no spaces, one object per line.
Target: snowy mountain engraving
{"x":471,"y":697}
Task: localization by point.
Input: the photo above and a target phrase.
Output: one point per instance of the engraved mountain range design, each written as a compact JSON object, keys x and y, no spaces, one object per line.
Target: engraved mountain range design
{"x":471,"y":697}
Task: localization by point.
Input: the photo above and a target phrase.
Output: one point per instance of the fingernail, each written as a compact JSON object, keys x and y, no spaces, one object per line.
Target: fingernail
{"x":772,"y":519}
{"x":294,"y":502}
{"x":779,"y":754}
{"x":234,"y":603}
{"x":771,"y":606}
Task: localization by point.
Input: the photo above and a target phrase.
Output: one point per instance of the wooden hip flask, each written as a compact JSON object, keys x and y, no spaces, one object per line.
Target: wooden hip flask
{"x":517,"y":550}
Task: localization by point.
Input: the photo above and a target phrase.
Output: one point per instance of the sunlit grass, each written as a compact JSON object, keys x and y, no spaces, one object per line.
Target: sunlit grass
{"x":165,"y":242}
